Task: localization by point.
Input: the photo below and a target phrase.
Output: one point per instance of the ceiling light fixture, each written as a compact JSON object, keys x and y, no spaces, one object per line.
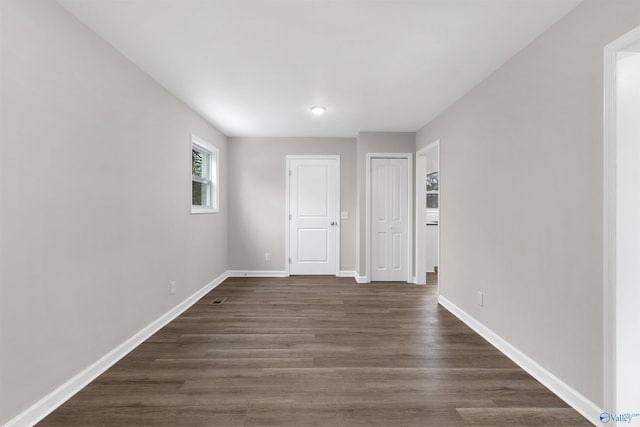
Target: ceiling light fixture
{"x":318,"y":111}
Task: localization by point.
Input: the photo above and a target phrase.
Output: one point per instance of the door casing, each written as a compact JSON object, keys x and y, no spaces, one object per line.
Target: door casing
{"x":613,"y":288}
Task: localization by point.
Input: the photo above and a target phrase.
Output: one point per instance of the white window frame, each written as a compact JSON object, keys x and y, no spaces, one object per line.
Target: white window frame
{"x":201,"y":145}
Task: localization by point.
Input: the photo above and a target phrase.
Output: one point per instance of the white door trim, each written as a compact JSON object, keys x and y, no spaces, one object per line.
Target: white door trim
{"x":287,"y":252}
{"x":418,"y":191}
{"x":609,"y":212}
{"x":409,"y":157}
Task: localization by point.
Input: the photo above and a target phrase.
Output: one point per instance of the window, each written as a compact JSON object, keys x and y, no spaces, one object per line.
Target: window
{"x":204,"y":176}
{"x":432,"y":190}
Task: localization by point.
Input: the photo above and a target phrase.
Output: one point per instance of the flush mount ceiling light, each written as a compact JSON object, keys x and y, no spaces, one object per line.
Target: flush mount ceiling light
{"x":318,"y":111}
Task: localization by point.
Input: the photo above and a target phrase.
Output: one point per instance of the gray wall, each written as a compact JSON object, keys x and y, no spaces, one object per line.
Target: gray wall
{"x":257,"y":191}
{"x":95,"y":210}
{"x":521,"y":208}
{"x":377,"y":142}
{"x":257,"y":194}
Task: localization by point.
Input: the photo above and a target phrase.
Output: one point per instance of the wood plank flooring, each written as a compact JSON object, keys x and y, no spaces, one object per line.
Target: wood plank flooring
{"x":315,"y":351}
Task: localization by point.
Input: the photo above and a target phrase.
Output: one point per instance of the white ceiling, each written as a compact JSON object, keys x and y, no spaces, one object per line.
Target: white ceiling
{"x":255,"y":67}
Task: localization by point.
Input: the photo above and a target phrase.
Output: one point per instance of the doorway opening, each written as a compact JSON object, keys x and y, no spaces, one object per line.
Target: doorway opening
{"x":621,"y":224}
{"x":427,"y":225}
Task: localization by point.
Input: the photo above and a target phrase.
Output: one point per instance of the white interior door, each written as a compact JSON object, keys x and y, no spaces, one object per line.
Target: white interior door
{"x":313,"y":215}
{"x":389,"y":219}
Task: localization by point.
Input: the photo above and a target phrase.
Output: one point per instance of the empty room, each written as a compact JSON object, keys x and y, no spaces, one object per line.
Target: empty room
{"x":319,"y":212}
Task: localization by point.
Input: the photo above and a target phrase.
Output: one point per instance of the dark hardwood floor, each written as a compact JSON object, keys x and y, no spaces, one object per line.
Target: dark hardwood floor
{"x":315,"y":351}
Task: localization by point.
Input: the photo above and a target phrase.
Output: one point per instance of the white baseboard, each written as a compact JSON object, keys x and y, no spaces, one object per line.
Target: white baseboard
{"x":354,"y":274}
{"x":57,"y":397}
{"x":277,"y":273}
{"x":584,"y":406}
{"x":348,"y":273}
{"x":257,"y":273}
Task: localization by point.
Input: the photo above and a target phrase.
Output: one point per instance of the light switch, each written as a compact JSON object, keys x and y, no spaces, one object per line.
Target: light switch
{"x":344,"y":215}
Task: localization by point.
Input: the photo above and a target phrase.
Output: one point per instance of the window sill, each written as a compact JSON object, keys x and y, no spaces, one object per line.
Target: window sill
{"x":199,"y":210}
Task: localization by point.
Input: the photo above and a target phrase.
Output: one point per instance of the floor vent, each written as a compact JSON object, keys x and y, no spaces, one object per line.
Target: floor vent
{"x":218,"y":300}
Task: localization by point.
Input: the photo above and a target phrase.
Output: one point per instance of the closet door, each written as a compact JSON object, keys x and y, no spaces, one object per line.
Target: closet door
{"x":389,"y":219}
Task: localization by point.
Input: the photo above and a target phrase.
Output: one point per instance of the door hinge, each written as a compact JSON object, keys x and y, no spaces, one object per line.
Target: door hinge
{"x":289,"y":260}
{"x":289,"y":217}
{"x":289,"y":172}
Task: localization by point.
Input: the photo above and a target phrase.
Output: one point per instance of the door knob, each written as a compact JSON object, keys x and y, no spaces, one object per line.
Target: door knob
{"x":333,"y":223}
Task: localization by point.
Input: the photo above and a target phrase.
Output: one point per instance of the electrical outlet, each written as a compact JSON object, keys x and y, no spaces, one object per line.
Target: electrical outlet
{"x":480,"y":299}
{"x":172,"y":287}
{"x":267,"y":256}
